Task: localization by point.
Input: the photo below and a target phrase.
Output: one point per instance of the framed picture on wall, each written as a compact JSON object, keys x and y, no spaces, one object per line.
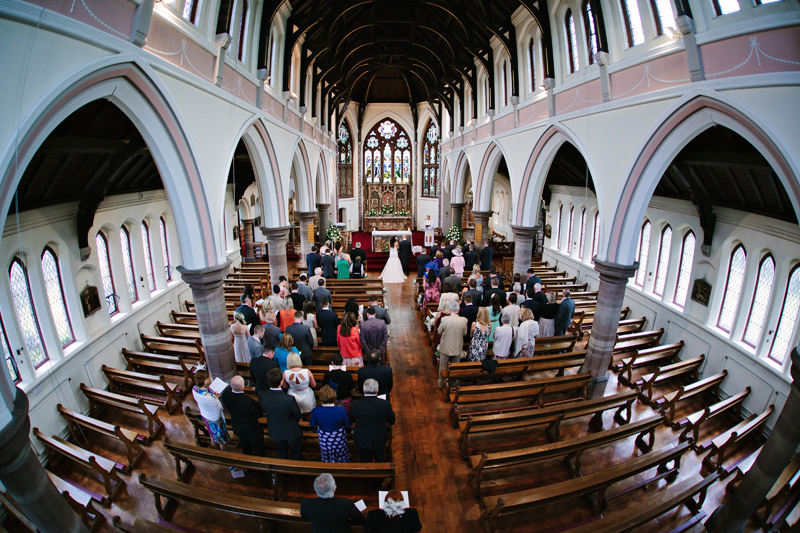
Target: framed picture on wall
{"x":701,"y":291}
{"x":236,"y":233}
{"x":90,"y":300}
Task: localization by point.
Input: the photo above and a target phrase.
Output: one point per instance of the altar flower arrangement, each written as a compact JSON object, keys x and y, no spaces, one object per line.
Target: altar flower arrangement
{"x":402,"y":213}
{"x":387,"y":209}
{"x":386,"y":247}
{"x":453,"y":234}
{"x":333,"y":233}
{"x":372,"y":213}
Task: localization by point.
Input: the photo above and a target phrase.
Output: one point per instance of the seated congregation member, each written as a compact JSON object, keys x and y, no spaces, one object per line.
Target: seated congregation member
{"x":284,"y":348}
{"x":432,"y":287}
{"x":210,"y":409}
{"x":457,"y":263}
{"x":328,"y":323}
{"x":326,"y":513}
{"x":452,"y":330}
{"x":503,"y":338}
{"x":381,"y":313}
{"x":300,"y":383}
{"x":310,"y":320}
{"x":284,"y":416}
{"x":245,"y":413}
{"x":272,"y":333}
{"x":526,"y":335}
{"x":331,"y":421}
{"x":240,"y":334}
{"x":495,"y":289}
{"x":374,"y":369}
{"x":374,"y":334}
{"x":371,"y":415}
{"x":321,"y":293}
{"x":394,"y":517}
{"x":342,"y":268}
{"x":246,"y":309}
{"x":357,"y":270}
{"x":477,"y":277}
{"x":286,"y":315}
{"x":255,"y":342}
{"x":348,"y":338}
{"x":276,"y":299}
{"x":448,"y":295}
{"x":472,"y":290}
{"x":512,"y":310}
{"x":296,"y":297}
{"x":422,"y":259}
{"x":303,"y":288}
{"x":339,"y":380}
{"x":469,"y":311}
{"x":302,"y":337}
{"x":495,"y":310}
{"x":260,"y":367}
{"x":313,"y":281}
{"x":565,"y":311}
{"x":547,"y":316}
{"x":481,"y":329}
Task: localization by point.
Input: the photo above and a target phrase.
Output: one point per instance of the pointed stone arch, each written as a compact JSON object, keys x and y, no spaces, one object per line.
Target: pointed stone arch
{"x":304,"y":181}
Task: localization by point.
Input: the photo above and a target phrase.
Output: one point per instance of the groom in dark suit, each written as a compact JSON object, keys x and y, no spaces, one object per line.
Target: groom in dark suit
{"x":404,"y":249}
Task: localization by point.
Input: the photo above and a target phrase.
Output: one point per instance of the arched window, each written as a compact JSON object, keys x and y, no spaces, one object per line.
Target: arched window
{"x":596,"y":236}
{"x":685,"y":269}
{"x":387,"y":154}
{"x":242,"y":31}
{"x":569,"y":229}
{"x":505,"y":83}
{"x":759,"y":308}
{"x":26,"y":313}
{"x":430,"y":162}
{"x":532,"y":64}
{"x":162,"y":227}
{"x":787,"y":323}
{"x":642,"y":252}
{"x":190,"y":8}
{"x":733,"y":289}
{"x":663,"y":260}
{"x":590,"y":28}
{"x":104,"y":260}
{"x":10,"y":362}
{"x":726,"y":7}
{"x":572,"y":43}
{"x":148,"y":256}
{"x":54,"y":286}
{"x":345,"y":162}
{"x":662,"y":9}
{"x":273,"y":53}
{"x":582,"y":240}
{"x":633,"y":22}
{"x":560,"y":224}
{"x":127,"y":263}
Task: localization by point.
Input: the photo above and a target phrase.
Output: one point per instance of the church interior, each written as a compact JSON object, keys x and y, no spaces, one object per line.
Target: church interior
{"x":640,"y":158}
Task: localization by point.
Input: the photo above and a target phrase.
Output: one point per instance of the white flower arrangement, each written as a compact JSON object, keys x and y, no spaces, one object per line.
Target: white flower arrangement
{"x":453,"y":234}
{"x":333,"y":233}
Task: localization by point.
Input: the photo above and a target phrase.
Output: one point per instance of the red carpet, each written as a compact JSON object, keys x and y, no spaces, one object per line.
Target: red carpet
{"x":377,"y":260}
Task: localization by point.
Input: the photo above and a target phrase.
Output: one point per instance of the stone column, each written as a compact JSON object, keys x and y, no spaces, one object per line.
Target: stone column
{"x":249,"y":240}
{"x":304,"y":218}
{"x":523,"y":249}
{"x":482,"y":218}
{"x":25,"y":479}
{"x":456,"y":213}
{"x":613,"y":278}
{"x":276,"y":244}
{"x":323,"y":213}
{"x":212,"y":318}
{"x":773,"y":459}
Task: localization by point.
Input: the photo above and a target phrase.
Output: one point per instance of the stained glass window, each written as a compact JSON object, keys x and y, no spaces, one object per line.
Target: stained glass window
{"x":787,"y":323}
{"x":582,"y":240}
{"x":10,"y":362}
{"x":148,"y":258}
{"x":591,"y":30}
{"x":685,"y":269}
{"x":345,"y":165}
{"x":733,"y":289}
{"x":569,"y":230}
{"x":387,"y":164}
{"x":633,"y":22}
{"x":596,"y":236}
{"x":387,"y":157}
{"x":761,"y":300}
{"x":368,"y":166}
{"x":558,"y":232}
{"x":430,"y":161}
{"x":642,"y":253}
{"x":376,"y":156}
{"x":162,"y":227}
{"x":398,"y":167}
{"x":402,"y":141}
{"x":127,"y":263}
{"x":387,"y":129}
{"x":664,"y":17}
{"x":26,"y":313}
{"x":572,"y":43}
{"x":406,"y":166}
{"x":53,"y":285}
{"x":105,"y":272}
{"x":663,"y":260}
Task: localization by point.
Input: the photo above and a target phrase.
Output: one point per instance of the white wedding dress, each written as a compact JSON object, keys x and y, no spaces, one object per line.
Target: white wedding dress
{"x":393,"y":271}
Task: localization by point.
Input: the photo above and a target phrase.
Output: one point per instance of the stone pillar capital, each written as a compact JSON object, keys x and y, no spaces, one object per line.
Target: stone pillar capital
{"x":323,"y":206}
{"x":247,"y":220}
{"x":524,"y":231}
{"x":482,"y":214}
{"x":208,"y":278}
{"x":306,"y":215}
{"x":615,"y":273}
{"x":276,"y":234}
{"x":458,"y":204}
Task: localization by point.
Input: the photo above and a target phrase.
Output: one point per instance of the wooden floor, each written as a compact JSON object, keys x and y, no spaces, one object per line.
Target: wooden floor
{"x":425,"y":451}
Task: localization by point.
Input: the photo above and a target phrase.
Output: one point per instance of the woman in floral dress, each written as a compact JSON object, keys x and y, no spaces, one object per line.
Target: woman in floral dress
{"x":432,"y":290}
{"x":481,"y":329}
{"x":526,"y":334}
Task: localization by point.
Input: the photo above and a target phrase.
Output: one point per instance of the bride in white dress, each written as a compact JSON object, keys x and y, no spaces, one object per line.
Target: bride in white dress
{"x":393,"y":271}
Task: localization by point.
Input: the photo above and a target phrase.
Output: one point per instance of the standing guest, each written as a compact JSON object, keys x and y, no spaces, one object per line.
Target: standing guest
{"x":295,"y":296}
{"x":358,"y":252}
{"x":469,"y":311}
{"x":321,"y":293}
{"x":260,"y":367}
{"x":250,"y":315}
{"x":470,"y":258}
{"x":302,"y":336}
{"x":339,"y":380}
{"x":326,"y":513}
{"x":255,"y":342}
{"x":481,"y":329}
{"x":249,"y":292}
{"x":348,"y":338}
{"x":438,"y":258}
{"x":526,"y":335}
{"x":447,"y":249}
{"x":512,"y":310}
{"x":452,"y":330}
{"x":272,"y":333}
{"x":448,"y":296}
{"x":245,"y":413}
{"x":495,"y":310}
{"x":342,"y":268}
{"x":374,"y":334}
{"x":565,"y":311}
{"x":516,"y":284}
{"x":371,"y":415}
{"x":494,"y":275}
{"x":328,"y":323}
{"x":330,"y":421}
{"x":313,"y":260}
{"x":394,"y":517}
{"x":300,"y":382}
{"x":445,"y":270}
{"x":284,"y":348}
{"x":473,"y":291}
{"x":357,"y":269}
{"x":313,"y":281}
{"x":454,"y":281}
{"x":532,"y":304}
{"x":381,"y":313}
{"x":503,"y":338}
{"x":539,"y":296}
{"x":486,"y":256}
{"x":329,"y":265}
{"x":432,"y":287}
{"x":533,"y":279}
{"x":284,"y":416}
{"x":210,"y":409}
{"x":352,"y":306}
{"x":283,"y":283}
{"x":433,"y":249}
{"x":276,"y":299}
{"x":286,"y":315}
{"x":495,"y":290}
{"x":422,"y":260}
{"x":376,"y":370}
{"x":310,"y":320}
{"x":240,"y":333}
{"x":547,"y":318}
{"x":404,"y":250}
{"x":477,"y":277}
{"x":457,"y":263}
{"x":304,"y":289}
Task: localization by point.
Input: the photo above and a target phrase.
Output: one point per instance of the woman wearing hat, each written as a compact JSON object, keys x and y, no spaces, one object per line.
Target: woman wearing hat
{"x":394,"y":517}
{"x":457,"y":263}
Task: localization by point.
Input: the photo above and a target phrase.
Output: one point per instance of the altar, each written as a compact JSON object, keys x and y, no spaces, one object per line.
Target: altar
{"x":380,"y":238}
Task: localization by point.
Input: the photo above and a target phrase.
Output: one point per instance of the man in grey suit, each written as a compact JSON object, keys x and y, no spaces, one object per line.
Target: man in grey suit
{"x":381,"y":313}
{"x":454,"y":280}
{"x":303,"y":288}
{"x":303,"y":339}
{"x":445,"y":271}
{"x":313,"y":281}
{"x":284,"y":416}
{"x":321,"y":293}
{"x":452,"y":330}
{"x":374,"y":334}
{"x":564,"y":316}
